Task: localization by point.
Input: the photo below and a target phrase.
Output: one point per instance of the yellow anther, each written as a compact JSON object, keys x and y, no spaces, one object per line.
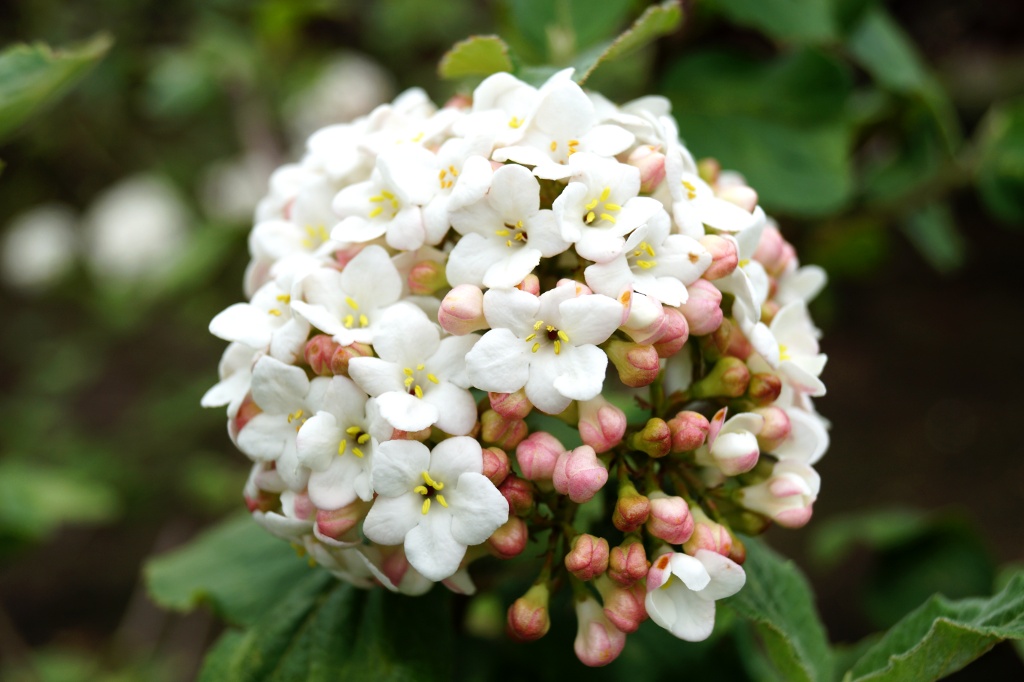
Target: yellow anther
{"x":357,"y":452}
{"x":646,"y":264}
{"x":562,"y":335}
{"x":550,"y":328}
{"x":407,"y":371}
{"x":441,"y":173}
{"x":418,"y":137}
{"x":297,"y":414}
{"x":342,"y":445}
{"x":536,"y":347}
{"x":421,"y":489}
{"x":351,"y":303}
{"x":353,"y":430}
{"x":520,"y":237}
{"x":515,"y":122}
{"x":386,"y":194}
{"x":558,"y":346}
{"x":590,"y":217}
{"x":783,"y":352}
{"x":609,"y":218}
{"x":519,"y":224}
{"x":612,"y":207}
{"x":744,"y":263}
{"x":418,"y":391}
{"x":436,"y":485}
{"x":648,"y":248}
{"x":377,"y":199}
{"x":284,"y":298}
{"x":364,"y":321}
{"x":433,"y":379}
{"x":451,"y":169}
{"x":363,"y":438}
{"x":538,"y":324}
{"x":349,"y":321}
{"x":531,"y":337}
{"x":554,"y":145}
{"x":501,"y":233}
{"x":441,"y":500}
{"x":508,"y":243}
{"x":421,"y":366}
{"x":691,"y":191}
{"x":605,"y":193}
{"x":591,"y":205}
{"x":376,"y":212}
{"x":426,"y":506}
{"x":275,"y":312}
{"x":409,"y":381}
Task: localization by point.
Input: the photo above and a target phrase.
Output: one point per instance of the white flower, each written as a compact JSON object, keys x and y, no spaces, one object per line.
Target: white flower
{"x":798,"y":359}
{"x":338,"y":444}
{"x":505,"y":233}
{"x":502,"y":104}
{"x":265,"y":324}
{"x":235,"y":372}
{"x":749,"y":281}
{"x":295,"y":520}
{"x":682,"y":590}
{"x":600,"y":206}
{"x":418,"y":379}
{"x":799,"y":283}
{"x":732,"y":447}
{"x":39,"y":247}
{"x":349,"y":304}
{"x":787,"y":496}
{"x":808,"y":437}
{"x":695,"y":205}
{"x":434,"y":503}
{"x":546,"y":343}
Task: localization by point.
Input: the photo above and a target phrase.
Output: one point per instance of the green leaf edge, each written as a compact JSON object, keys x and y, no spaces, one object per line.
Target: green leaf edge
{"x":669,"y":14}
{"x":446,"y":71}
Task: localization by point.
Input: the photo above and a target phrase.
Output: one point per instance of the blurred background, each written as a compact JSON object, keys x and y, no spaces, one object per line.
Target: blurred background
{"x":886,"y":138}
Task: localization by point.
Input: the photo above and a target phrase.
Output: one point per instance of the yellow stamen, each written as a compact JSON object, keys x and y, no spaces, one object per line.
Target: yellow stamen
{"x":605,"y":193}
{"x":426,"y":506}
{"x":590,"y":217}
{"x":431,"y":482}
{"x":275,"y":312}
{"x":351,"y":303}
{"x":363,"y":438}
{"x":407,"y":371}
{"x":613,"y":207}
{"x":515,"y":122}
{"x":364,"y":321}
{"x":294,"y":415}
{"x":377,"y":199}
{"x":432,"y":379}
{"x":387,"y":194}
{"x":554,"y":145}
{"x":538,"y":324}
{"x":349,"y":321}
{"x":783,"y":352}
{"x":501,"y":233}
{"x":558,"y":347}
{"x":357,"y":452}
{"x":646,"y":264}
{"x":421,"y":489}
{"x":562,"y":335}
{"x":519,"y":224}
{"x":409,"y":381}
{"x":352,"y":430}
{"x":508,"y":243}
{"x":605,"y":216}
{"x":284,"y":298}
{"x":376,"y":212}
{"x":647,"y":247}
{"x":342,"y":445}
{"x":419,"y":136}
{"x":535,"y":348}
{"x":418,"y":391}
{"x":420,"y":366}
{"x":440,"y":498}
{"x":531,"y":337}
{"x":451,"y":169}
{"x":592,"y":204}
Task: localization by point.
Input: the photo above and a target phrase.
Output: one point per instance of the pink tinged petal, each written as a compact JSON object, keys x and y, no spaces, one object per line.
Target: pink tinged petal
{"x":478,"y":509}
{"x":358,"y":229}
{"x":453,"y":457}
{"x":455,"y":407}
{"x":407,"y":412}
{"x":430,"y":546}
{"x":398,"y":466}
{"x":317,"y":441}
{"x":511,"y":309}
{"x":376,"y":376}
{"x":499,"y":362}
{"x":371,"y":278}
{"x":590,"y":319}
{"x":264,"y":437}
{"x":727,"y":577}
{"x":276,"y":387}
{"x":540,"y":388}
{"x":744,"y":421}
{"x":390,"y":519}
{"x":472,"y":257}
{"x":581,"y":371}
{"x":517,"y":263}
{"x":244,"y":323}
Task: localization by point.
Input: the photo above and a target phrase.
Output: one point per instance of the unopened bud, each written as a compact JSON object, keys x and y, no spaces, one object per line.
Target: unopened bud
{"x":631,"y":509}
{"x":741,"y":195}
{"x":528,"y":617}
{"x":497,"y":430}
{"x":628,"y":563}
{"x":246,"y":411}
{"x":421,"y":435}
{"x":729,"y":339}
{"x":598,"y":642}
{"x":764,"y":388}
{"x":319,"y":351}
{"x":588,"y":557}
{"x":674,"y":334}
{"x":579,"y":474}
{"x":645,"y":319}
{"x":670,"y":518}
{"x":735,"y":450}
{"x":511,"y":405}
{"x":496,"y":465}
{"x":729,"y":378}
{"x":426,"y":278}
{"x":538,"y":454}
{"x":601,"y":424}
{"x":462,"y":310}
{"x":343,"y":354}
{"x":519,"y":494}
{"x":637,"y":365}
{"x":773,"y":251}
{"x":708,"y":535}
{"x":655,"y":439}
{"x":579,"y":288}
{"x":651,"y":164}
{"x":724,"y":256}
{"x":689,"y":431}
{"x":709,"y":169}
{"x":334,"y":523}
{"x":510,"y":539}
{"x":623,"y":606}
{"x":530,"y":284}
{"x":703,"y":308}
{"x":776,"y":429}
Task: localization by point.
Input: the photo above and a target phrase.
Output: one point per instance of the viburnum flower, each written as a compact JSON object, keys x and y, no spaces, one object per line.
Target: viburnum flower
{"x":682,"y":590}
{"x":435,"y":503}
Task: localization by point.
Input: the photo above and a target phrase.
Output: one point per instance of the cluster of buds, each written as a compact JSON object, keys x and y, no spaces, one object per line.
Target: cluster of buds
{"x":435,"y":293}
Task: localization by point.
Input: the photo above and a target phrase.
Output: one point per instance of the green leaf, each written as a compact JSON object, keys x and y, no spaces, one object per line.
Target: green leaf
{"x":779,"y":602}
{"x":779,"y":123}
{"x":656,"y":21}
{"x":33,"y":75}
{"x":881,"y":47}
{"x":943,"y":636}
{"x":326,"y":629}
{"x":932,"y":231}
{"x":475,"y":56}
{"x":1001,"y":172}
{"x":794,"y":21}
{"x":834,"y":538}
{"x":236,"y":567}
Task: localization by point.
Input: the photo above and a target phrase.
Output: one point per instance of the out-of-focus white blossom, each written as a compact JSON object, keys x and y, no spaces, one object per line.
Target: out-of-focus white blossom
{"x":39,"y":247}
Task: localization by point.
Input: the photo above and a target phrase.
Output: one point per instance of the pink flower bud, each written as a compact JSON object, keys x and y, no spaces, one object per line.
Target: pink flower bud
{"x":510,"y":539}
{"x":344,"y":255}
{"x":538,"y":454}
{"x":462,"y":310}
{"x":530,"y":284}
{"x":528,"y":617}
{"x":421,"y":435}
{"x":689,"y":431}
{"x":342,"y":355}
{"x":645,"y":319}
{"x":730,"y":340}
{"x":776,"y":429}
{"x":773,"y":251}
{"x":637,"y":365}
{"x":511,"y":405}
{"x":519,"y":494}
{"x":735,"y":450}
{"x":709,"y":169}
{"x":334,"y":523}
{"x":426,"y":277}
{"x":496,"y":465}
{"x":651,"y":164}
{"x":670,"y":518}
{"x":708,"y":535}
{"x":459,"y":101}
{"x":579,"y":474}
{"x":764,"y":388}
{"x":601,"y":424}
{"x":598,"y":642}
{"x":655,"y":439}
{"x":246,"y":411}
{"x":674,"y":334}
{"x":623,"y":606}
{"x":581,"y":288}
{"x":319,"y":351}
{"x":729,"y":378}
{"x":741,"y":195}
{"x":588,"y":557}
{"x":627,"y":563}
{"x":631,"y":509}
{"x":703,"y":308}
{"x":724,"y":256}
{"x":497,"y":430}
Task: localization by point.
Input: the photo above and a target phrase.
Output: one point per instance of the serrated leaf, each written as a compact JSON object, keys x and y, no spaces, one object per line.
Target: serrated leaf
{"x":325,"y":629}
{"x":796,"y":21}
{"x":475,"y":56}
{"x":33,"y":75}
{"x":933,"y":232}
{"x":656,"y":21}
{"x":779,"y":602}
{"x":943,"y":636}
{"x":236,"y":567}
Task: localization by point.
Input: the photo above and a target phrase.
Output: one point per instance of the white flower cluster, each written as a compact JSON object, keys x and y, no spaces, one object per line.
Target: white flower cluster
{"x":517,"y":244}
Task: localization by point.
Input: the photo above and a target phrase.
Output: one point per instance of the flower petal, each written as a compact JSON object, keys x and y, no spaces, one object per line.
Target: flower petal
{"x":430,"y":546}
{"x":398,"y":465}
{"x":478,"y":507}
{"x":391,"y":518}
